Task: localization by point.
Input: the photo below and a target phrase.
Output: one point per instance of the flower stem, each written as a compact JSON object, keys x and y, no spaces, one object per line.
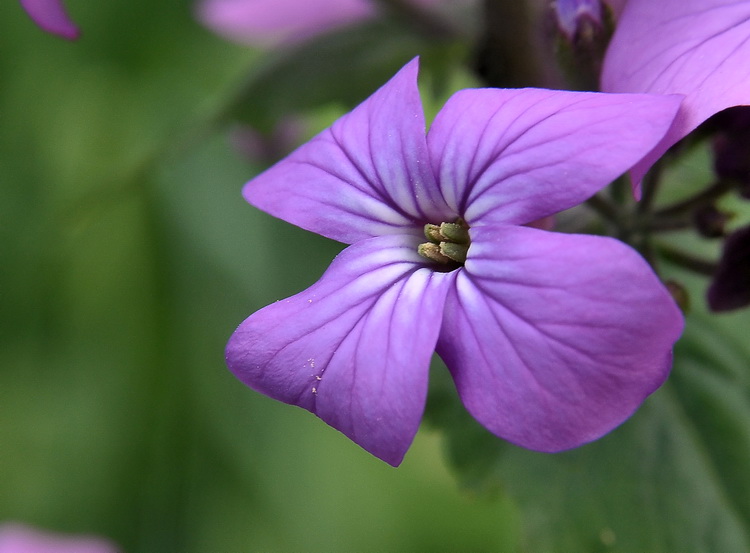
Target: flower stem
{"x":704,"y":197}
{"x":606,"y":209}
{"x":687,"y":261}
{"x":510,"y":52}
{"x":423,"y":20}
{"x":650,"y":187}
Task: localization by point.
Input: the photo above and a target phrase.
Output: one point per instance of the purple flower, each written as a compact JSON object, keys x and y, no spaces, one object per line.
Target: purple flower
{"x":18,"y":538}
{"x":552,"y":339}
{"x":50,"y":15}
{"x":699,"y":48}
{"x":730,"y":286}
{"x":575,"y":17}
{"x":731,"y":145}
{"x":271,"y":22}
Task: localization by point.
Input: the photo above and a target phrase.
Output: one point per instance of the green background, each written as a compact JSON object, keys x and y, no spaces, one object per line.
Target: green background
{"x":128,"y":257}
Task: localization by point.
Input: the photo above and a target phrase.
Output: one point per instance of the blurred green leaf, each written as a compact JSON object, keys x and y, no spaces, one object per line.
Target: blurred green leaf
{"x":672,"y":478}
{"x":342,"y":67}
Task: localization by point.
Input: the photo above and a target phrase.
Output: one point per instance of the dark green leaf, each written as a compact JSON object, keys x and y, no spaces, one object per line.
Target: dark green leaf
{"x":673,"y":478}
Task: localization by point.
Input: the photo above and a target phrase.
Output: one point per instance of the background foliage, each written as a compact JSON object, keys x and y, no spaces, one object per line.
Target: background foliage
{"x":127,"y":258}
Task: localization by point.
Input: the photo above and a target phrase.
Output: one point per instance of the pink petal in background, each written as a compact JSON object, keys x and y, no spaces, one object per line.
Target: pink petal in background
{"x":19,"y":538}
{"x":270,"y":22}
{"x":50,"y":16}
{"x":273,"y":22}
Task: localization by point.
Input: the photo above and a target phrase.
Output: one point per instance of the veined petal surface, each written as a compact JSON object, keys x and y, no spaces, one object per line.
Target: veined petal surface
{"x":50,"y":16}
{"x":553,"y":339}
{"x":368,"y":175}
{"x":514,"y":156}
{"x":355,"y":347}
{"x":699,"y":48}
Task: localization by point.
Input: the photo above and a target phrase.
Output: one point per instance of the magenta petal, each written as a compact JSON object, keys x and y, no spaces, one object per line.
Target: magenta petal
{"x":269,"y":22}
{"x":514,"y":156}
{"x":355,"y":347}
{"x":552,"y":339}
{"x":699,"y":48}
{"x":50,"y":15}
{"x":368,"y":175}
{"x":19,"y":538}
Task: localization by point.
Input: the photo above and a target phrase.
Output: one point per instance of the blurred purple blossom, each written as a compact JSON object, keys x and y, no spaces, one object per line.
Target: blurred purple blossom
{"x":19,"y":538}
{"x":731,"y":144}
{"x":699,"y":48}
{"x":552,"y":339}
{"x":730,"y":286}
{"x":272,"y":22}
{"x":575,"y":17}
{"x":50,"y":15}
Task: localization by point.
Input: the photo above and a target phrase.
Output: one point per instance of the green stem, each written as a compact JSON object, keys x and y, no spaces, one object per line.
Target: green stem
{"x":606,"y":209}
{"x":669,"y":224}
{"x":425,"y":21}
{"x":510,"y":53}
{"x":170,"y":430}
{"x":704,"y":197}
{"x":650,"y":187}
{"x":687,"y":261}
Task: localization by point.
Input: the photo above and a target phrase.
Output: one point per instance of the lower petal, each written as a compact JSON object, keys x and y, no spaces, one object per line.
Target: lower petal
{"x":553,"y":340}
{"x":355,"y":347}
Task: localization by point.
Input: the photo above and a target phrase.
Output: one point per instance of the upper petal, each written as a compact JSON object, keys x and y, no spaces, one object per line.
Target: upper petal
{"x":50,"y":15}
{"x":513,"y":156}
{"x":553,"y":339}
{"x":698,"y":48}
{"x":355,"y":347}
{"x":269,"y":22}
{"x":368,"y":175}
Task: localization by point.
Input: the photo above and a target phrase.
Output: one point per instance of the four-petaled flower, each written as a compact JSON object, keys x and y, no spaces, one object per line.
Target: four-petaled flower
{"x":699,"y":48}
{"x":552,"y":339}
{"x":50,"y":15}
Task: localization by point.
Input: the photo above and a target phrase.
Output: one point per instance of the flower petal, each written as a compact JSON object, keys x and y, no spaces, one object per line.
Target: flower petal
{"x":514,"y":156}
{"x":698,"y":48}
{"x":553,"y":340}
{"x":50,"y":15}
{"x":366,"y":176}
{"x":355,"y":347}
{"x":19,"y":538}
{"x":270,"y":22}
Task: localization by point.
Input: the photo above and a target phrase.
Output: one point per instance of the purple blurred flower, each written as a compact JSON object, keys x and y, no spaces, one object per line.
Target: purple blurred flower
{"x":730,"y":286}
{"x":698,"y":48}
{"x":731,"y":144}
{"x":578,"y":17}
{"x":18,"y":538}
{"x":552,"y":339}
{"x":271,"y":22}
{"x":50,"y":15}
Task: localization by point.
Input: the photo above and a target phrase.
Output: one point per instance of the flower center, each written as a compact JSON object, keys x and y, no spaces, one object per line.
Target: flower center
{"x":448,"y":243}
